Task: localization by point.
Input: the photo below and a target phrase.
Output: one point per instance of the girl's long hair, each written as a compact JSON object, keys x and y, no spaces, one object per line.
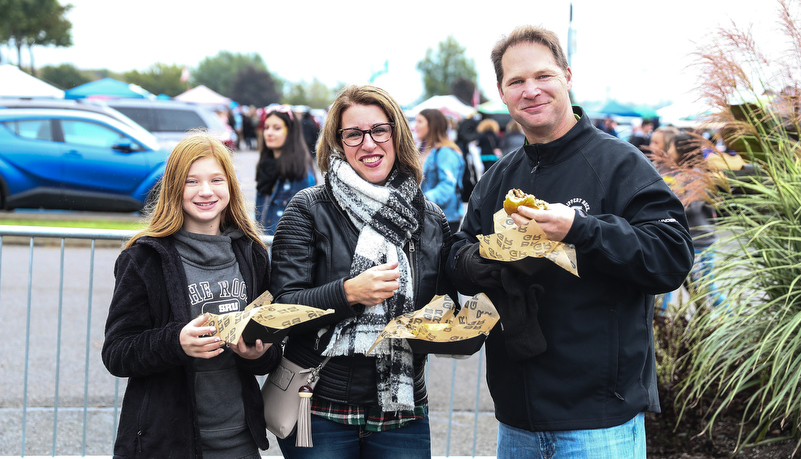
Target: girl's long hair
{"x":167,"y":216}
{"x":295,"y":159}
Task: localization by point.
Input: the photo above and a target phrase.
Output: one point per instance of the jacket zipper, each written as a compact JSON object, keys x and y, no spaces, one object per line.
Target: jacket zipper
{"x":144,"y":406}
{"x":411,"y":265}
{"x":536,"y":166}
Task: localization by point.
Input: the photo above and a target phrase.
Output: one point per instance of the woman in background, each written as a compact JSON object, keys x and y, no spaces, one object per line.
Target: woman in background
{"x":513,"y":137}
{"x":285,"y":166}
{"x":489,"y":142}
{"x":443,"y":165}
{"x":662,"y":139}
{"x":694,"y":182}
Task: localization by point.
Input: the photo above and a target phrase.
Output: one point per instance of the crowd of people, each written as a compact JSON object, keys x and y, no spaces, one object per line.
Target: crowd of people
{"x":371,"y":221}
{"x":695,"y":166}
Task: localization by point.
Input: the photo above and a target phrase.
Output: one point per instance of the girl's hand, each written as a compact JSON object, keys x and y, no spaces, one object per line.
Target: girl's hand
{"x":373,"y":285}
{"x":250,"y":352}
{"x":196,"y":342}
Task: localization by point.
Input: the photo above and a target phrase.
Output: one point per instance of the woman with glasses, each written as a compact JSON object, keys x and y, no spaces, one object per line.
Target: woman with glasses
{"x":370,"y":246}
{"x":443,"y":165}
{"x":285,"y":165}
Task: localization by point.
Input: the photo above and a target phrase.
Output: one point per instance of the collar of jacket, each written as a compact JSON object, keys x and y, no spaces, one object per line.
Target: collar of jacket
{"x":543,"y":154}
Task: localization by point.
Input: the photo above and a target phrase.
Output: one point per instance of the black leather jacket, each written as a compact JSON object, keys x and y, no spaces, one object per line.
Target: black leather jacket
{"x":312,"y":252}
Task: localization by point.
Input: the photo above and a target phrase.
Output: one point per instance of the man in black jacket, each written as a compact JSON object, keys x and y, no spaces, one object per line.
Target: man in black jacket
{"x":571,"y":368}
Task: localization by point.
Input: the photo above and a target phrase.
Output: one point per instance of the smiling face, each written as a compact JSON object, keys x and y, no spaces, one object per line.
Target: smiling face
{"x":274,"y":133}
{"x":372,"y":161}
{"x":536,"y":92}
{"x":206,"y":196}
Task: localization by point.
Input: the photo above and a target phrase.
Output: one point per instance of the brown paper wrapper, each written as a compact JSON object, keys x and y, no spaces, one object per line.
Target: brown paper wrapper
{"x":437,"y":323}
{"x":277,"y":317}
{"x":512,"y":243}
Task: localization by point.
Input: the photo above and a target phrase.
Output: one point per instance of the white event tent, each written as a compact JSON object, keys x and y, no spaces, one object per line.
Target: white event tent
{"x":450,"y":105}
{"x":202,"y":95}
{"x":16,"y":83}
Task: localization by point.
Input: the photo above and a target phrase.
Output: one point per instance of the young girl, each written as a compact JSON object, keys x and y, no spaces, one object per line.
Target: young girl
{"x":443,"y":164}
{"x":189,"y":394}
{"x":285,"y":166}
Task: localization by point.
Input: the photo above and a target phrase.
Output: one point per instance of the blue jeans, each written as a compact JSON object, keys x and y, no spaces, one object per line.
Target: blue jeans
{"x":626,"y":441}
{"x":333,"y":440}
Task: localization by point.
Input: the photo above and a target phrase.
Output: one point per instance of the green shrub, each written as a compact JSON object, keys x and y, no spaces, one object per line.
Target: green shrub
{"x":751,"y":346}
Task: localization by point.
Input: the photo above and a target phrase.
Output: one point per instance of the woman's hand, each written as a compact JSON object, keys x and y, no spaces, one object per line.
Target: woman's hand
{"x":555,"y":222}
{"x":250,"y":352}
{"x":373,"y":285}
{"x":196,"y":343}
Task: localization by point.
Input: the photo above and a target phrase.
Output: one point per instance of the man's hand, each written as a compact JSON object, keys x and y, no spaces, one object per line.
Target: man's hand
{"x":555,"y":222}
{"x":477,"y":270}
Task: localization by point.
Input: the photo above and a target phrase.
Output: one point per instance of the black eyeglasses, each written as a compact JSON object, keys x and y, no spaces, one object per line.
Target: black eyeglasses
{"x":353,"y":137}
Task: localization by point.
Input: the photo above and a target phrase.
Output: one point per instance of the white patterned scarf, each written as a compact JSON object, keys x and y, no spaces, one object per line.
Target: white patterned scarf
{"x":386,"y":217}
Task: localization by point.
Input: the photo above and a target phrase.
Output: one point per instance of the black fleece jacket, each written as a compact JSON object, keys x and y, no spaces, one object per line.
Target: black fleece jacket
{"x":632,"y":242}
{"x":149,"y":307}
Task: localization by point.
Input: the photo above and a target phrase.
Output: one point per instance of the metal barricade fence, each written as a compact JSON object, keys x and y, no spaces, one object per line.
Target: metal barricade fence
{"x":57,"y":398}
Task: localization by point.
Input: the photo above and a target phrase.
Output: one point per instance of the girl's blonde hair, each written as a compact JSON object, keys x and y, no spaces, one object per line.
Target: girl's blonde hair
{"x":167,"y":215}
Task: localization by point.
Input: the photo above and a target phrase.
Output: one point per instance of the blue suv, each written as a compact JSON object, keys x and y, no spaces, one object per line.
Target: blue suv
{"x":76,"y":160}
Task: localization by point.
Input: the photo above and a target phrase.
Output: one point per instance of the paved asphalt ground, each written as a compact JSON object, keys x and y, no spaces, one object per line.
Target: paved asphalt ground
{"x":64,"y":356}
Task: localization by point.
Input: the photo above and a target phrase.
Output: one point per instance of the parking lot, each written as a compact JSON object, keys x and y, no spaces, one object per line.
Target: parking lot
{"x":54,"y":307}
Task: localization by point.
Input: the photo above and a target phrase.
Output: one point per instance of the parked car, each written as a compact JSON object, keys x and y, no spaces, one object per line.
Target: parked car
{"x":171,"y":120}
{"x":70,"y":104}
{"x":77,"y":160}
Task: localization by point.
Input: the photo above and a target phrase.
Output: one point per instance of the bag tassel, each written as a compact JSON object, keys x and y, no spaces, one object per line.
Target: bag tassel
{"x":303,"y":437}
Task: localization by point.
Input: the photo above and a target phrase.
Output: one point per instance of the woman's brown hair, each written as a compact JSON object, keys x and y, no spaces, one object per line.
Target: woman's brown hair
{"x":330,"y":143}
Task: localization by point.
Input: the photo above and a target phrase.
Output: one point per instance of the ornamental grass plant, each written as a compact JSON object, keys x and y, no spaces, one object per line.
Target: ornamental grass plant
{"x":745,"y":355}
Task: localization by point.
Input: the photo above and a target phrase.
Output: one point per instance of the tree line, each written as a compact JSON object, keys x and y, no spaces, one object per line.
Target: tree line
{"x":244,"y":78}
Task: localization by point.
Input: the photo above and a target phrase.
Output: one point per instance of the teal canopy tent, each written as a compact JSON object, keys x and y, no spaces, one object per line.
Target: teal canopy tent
{"x":107,"y":88}
{"x":615,"y":108}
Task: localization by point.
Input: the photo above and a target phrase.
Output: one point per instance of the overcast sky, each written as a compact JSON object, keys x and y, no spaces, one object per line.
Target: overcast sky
{"x":633,"y":51}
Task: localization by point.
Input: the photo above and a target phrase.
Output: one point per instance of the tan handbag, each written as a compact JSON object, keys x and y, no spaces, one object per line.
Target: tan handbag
{"x":282,"y":403}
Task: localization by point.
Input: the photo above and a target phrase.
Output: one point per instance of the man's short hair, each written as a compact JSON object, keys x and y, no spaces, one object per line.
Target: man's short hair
{"x":527,"y":34}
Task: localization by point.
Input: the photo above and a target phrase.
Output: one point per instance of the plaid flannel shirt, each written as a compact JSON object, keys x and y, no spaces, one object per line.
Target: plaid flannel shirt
{"x":371,"y":417}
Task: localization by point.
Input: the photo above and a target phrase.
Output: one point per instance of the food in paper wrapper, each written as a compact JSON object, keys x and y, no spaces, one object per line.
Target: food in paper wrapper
{"x":512,"y":243}
{"x":516,"y":198}
{"x":435,"y":329}
{"x":262,"y":320}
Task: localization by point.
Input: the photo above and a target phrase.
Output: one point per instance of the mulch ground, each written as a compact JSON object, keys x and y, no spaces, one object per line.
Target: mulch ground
{"x":665,"y":441}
